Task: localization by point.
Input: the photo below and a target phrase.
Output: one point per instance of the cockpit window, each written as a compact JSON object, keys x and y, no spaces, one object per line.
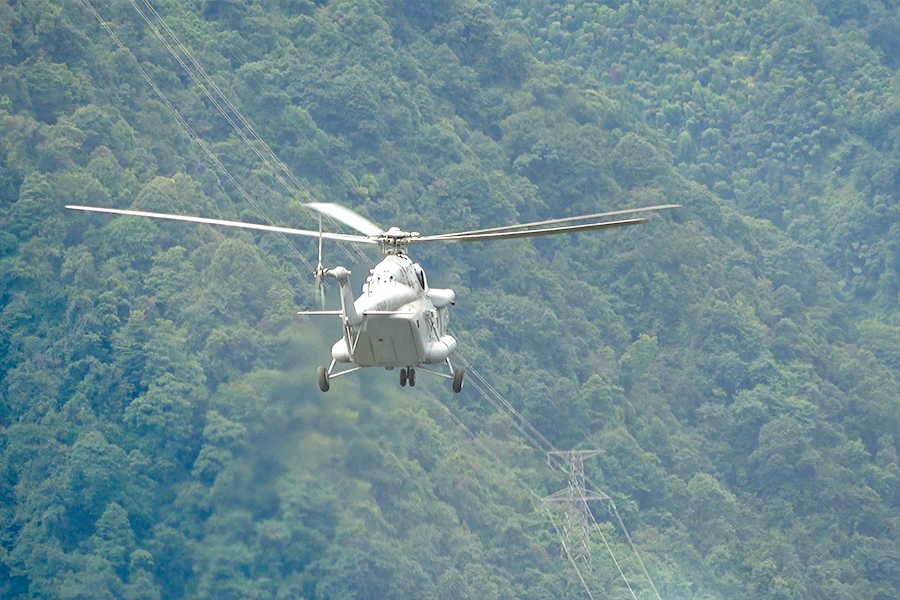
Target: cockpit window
{"x":420,"y":275}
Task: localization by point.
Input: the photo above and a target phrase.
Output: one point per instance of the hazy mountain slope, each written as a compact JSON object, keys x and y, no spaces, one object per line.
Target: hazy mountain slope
{"x":162,"y":435}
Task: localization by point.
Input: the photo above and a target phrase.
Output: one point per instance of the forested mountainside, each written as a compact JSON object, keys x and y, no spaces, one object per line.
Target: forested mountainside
{"x":735,"y":360}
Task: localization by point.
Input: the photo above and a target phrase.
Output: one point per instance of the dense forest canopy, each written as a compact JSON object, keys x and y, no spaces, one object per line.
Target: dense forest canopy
{"x":735,"y":361}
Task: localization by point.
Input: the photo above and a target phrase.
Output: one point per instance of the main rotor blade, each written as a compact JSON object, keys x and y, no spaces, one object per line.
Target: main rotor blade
{"x":603,"y":215}
{"x":356,"y":239}
{"x":510,"y":235}
{"x":347,"y":217}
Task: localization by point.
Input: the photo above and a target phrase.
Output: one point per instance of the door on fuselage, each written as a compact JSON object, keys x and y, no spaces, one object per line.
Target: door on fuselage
{"x":390,"y":340}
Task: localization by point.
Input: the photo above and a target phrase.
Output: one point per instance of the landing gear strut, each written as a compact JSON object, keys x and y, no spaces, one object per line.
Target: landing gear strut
{"x":407,"y":375}
{"x":325,"y":375}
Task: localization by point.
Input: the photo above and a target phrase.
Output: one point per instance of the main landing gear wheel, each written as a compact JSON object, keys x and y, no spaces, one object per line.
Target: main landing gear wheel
{"x":407,"y":375}
{"x":322,"y":376}
{"x":458,"y":375}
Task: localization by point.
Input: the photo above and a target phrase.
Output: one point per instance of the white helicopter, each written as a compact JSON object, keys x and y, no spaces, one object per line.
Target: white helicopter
{"x":398,"y":321}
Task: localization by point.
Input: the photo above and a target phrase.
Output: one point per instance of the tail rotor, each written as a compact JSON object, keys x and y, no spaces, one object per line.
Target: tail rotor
{"x":320,"y":272}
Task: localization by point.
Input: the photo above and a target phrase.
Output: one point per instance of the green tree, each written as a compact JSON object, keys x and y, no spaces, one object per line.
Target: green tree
{"x":33,"y":207}
{"x":113,"y":538}
{"x":636,"y":162}
{"x":237,"y":283}
{"x":52,"y":89}
{"x":161,"y":423}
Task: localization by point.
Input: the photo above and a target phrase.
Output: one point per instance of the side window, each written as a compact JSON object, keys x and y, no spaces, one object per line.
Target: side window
{"x":420,"y":275}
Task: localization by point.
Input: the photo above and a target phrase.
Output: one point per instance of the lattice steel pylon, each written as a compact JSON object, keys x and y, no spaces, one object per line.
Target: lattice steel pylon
{"x":576,"y":543}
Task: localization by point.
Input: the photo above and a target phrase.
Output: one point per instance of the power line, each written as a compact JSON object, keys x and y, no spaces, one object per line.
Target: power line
{"x":190,"y":131}
{"x":523,"y":485}
{"x":543,"y":445}
{"x":568,"y":554}
{"x":575,"y":498}
{"x":267,"y":156}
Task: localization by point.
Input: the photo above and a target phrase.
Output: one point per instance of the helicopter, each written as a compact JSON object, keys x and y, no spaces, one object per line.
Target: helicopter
{"x":398,"y":321}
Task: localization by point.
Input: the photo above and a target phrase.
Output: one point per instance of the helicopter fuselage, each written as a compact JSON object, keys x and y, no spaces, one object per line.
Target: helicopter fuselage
{"x":397,"y":321}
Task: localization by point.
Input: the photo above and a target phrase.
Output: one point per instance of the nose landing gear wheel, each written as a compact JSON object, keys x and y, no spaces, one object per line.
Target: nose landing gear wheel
{"x":411,"y":376}
{"x":403,"y":378}
{"x":458,"y":376}
{"x":322,"y":376}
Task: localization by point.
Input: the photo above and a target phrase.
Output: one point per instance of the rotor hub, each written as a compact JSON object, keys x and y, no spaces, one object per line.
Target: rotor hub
{"x":395,"y":240}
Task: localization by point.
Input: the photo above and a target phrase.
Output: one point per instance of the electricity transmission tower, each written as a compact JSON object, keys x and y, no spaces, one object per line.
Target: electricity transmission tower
{"x":576,"y":538}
